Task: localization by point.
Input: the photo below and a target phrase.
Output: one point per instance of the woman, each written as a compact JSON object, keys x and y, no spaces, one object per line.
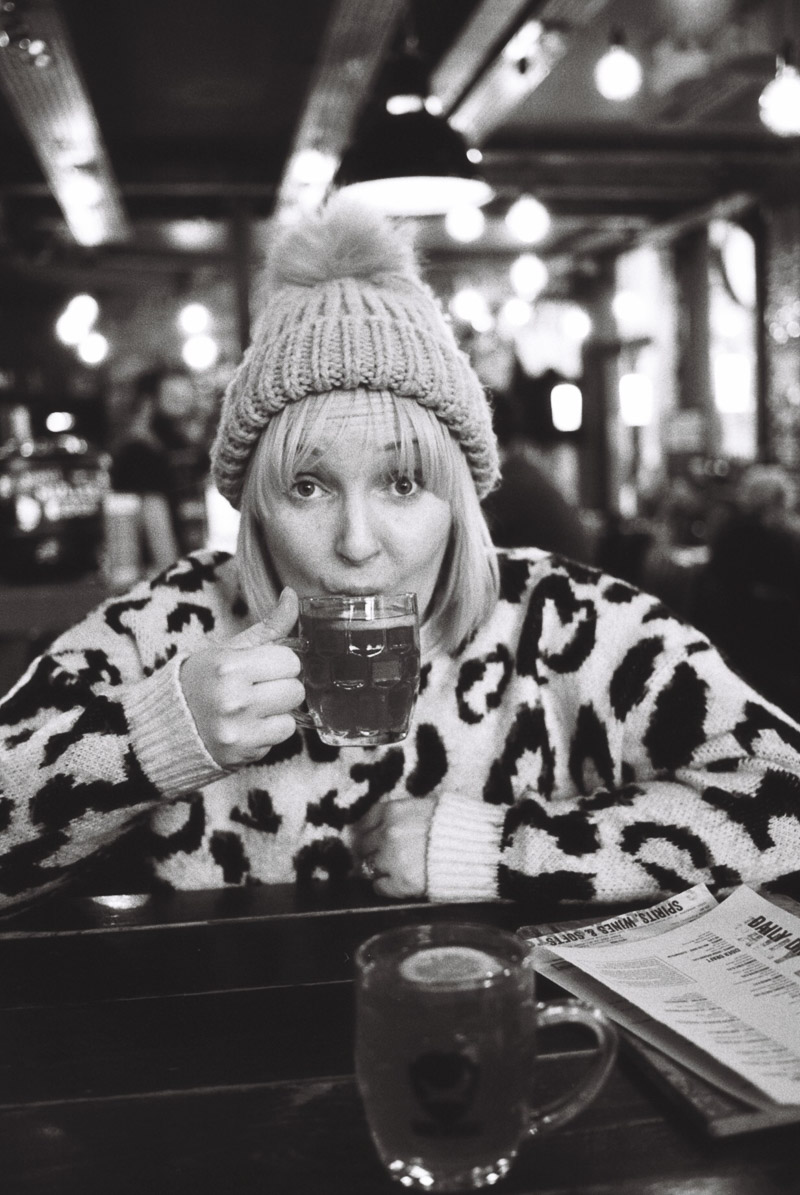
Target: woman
{"x":571,"y":739}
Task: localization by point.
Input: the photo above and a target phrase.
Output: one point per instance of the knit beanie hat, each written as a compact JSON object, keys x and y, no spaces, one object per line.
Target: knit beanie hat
{"x":345,"y":309}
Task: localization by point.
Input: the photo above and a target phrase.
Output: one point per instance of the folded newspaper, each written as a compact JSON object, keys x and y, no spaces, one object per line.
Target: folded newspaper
{"x":714,"y":987}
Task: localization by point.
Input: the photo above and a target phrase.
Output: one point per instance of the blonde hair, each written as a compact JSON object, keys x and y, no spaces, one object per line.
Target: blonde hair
{"x":467,"y":590}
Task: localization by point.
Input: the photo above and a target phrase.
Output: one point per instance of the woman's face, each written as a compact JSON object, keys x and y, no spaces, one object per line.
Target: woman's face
{"x":350,"y":523}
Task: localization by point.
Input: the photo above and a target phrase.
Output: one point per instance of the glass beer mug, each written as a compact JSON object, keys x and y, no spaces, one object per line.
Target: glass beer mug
{"x":360,"y":660}
{"x":446,"y":1021}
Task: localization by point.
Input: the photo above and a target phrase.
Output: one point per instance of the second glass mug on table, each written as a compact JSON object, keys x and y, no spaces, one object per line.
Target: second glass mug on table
{"x":446,"y":1023}
{"x":360,"y":660}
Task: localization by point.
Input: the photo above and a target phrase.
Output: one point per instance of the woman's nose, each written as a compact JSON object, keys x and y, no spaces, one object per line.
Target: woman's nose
{"x":356,"y":539}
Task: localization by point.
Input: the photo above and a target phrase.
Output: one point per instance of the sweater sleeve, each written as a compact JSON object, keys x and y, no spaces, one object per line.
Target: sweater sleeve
{"x":681,"y":776}
{"x":89,"y":741}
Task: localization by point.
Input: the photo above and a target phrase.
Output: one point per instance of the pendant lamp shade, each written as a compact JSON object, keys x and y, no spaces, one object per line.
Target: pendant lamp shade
{"x":412,"y":164}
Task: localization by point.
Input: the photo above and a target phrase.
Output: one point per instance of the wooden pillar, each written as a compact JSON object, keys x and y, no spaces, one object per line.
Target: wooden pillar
{"x":782,"y":336}
{"x":694,"y":390}
{"x":754,"y":224}
{"x":241,"y":242}
{"x":598,"y":451}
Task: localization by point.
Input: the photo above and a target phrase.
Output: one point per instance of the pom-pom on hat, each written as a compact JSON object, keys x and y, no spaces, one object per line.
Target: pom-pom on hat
{"x":345,"y":309}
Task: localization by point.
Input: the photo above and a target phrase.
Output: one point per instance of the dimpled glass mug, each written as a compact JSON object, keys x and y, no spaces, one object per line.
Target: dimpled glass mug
{"x":446,"y":1020}
{"x":360,"y":666}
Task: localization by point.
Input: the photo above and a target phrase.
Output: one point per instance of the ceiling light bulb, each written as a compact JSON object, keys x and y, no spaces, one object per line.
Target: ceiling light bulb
{"x":618,"y":74}
{"x":528,"y":220}
{"x":465,"y":223}
{"x":779,"y":103}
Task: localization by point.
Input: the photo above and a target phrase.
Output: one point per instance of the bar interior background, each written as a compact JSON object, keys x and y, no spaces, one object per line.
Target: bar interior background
{"x":615,"y":223}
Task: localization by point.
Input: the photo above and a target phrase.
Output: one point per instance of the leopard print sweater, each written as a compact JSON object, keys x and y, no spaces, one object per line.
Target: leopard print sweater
{"x":584,"y":745}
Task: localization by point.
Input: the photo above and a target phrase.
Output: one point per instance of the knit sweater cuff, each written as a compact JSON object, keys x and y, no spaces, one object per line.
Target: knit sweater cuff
{"x":164,"y":735}
{"x":464,"y":849}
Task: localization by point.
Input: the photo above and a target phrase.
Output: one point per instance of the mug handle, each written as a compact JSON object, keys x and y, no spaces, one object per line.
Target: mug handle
{"x":301,"y":718}
{"x":556,"y":1113}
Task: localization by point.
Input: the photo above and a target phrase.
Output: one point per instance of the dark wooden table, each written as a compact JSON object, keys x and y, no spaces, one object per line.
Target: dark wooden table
{"x":203,"y":1043}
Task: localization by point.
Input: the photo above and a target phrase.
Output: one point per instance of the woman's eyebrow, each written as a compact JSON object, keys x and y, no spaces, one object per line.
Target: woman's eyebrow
{"x":396,"y":446}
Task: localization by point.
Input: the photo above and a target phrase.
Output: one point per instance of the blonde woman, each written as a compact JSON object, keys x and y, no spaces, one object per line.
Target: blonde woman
{"x":571,"y":740}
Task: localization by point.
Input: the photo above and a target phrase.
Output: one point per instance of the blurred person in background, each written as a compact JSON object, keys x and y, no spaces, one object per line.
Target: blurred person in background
{"x":163,"y":457}
{"x":750,"y":589}
{"x":139,"y":465}
{"x":527,"y":508}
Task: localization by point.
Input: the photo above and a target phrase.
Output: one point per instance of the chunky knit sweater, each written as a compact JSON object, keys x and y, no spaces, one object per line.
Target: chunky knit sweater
{"x":584,"y":745}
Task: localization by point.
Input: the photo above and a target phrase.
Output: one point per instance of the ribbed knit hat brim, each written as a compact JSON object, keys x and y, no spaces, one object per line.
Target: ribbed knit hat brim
{"x":380,"y":331}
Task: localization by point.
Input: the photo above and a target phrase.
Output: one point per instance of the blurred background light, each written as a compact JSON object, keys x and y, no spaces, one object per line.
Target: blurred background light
{"x":194,"y":318}
{"x":732,"y":380}
{"x":566,"y":407}
{"x":77,"y":319}
{"x":470,"y":306}
{"x":192,"y":234}
{"x":528,"y":275}
{"x":618,"y":74}
{"x":200,"y":352}
{"x":779,"y":102}
{"x":576,"y":323}
{"x":93,"y":349}
{"x":636,"y":399}
{"x":528,"y":220}
{"x":626,"y":307}
{"x":515,"y":313}
{"x":465,"y":223}
{"x":60,"y":421}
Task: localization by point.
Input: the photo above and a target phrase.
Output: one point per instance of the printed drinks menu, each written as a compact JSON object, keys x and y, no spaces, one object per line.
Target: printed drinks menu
{"x":715,"y":986}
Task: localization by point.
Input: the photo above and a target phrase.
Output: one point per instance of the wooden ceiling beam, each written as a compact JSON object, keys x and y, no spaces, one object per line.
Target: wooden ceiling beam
{"x":492,"y":81}
{"x":492,"y":23}
{"x":51,"y":104}
{"x":356,"y":43}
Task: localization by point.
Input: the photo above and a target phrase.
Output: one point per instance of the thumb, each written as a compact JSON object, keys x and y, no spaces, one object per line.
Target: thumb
{"x":278,"y":623}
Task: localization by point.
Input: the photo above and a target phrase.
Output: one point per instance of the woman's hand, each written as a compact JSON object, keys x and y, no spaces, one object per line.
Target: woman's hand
{"x":393,"y":845}
{"x":241,"y":693}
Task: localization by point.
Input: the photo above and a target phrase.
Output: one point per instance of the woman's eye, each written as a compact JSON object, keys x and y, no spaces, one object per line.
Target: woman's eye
{"x":304,"y":487}
{"x":405,"y":486}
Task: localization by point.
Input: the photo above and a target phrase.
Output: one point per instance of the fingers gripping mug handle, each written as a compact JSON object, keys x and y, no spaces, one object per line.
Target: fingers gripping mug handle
{"x":300,"y":716}
{"x":556,"y":1113}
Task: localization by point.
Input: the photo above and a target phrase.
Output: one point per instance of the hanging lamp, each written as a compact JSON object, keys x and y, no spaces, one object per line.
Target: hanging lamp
{"x":408,"y":160}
